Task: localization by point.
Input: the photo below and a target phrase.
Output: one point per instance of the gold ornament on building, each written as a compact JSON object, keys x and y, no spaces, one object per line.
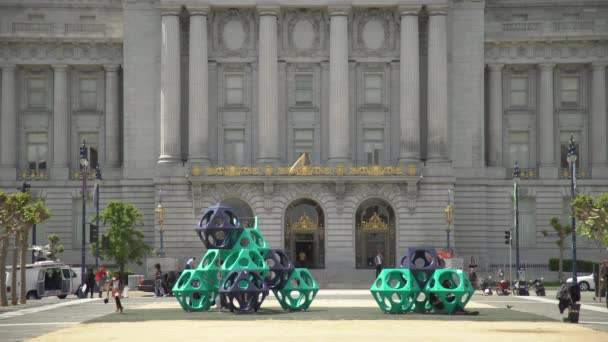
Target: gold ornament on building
{"x":304,"y":224}
{"x":374,"y":224}
{"x":340,"y":170}
{"x":196,"y":171}
{"x":411,"y":170}
{"x":268,"y":170}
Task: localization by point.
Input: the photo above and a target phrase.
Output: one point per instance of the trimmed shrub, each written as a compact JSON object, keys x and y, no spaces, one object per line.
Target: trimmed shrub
{"x":585,"y":266}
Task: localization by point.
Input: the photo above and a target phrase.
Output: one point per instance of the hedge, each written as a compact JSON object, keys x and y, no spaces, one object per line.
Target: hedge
{"x":585,"y":266}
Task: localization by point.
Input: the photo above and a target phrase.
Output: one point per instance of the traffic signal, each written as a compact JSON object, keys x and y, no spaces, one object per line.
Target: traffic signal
{"x":105,"y":242}
{"x":93,"y":233}
{"x":507,"y":237}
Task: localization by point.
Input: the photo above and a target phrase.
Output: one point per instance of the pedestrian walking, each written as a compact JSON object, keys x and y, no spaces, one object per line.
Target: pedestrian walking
{"x":159,"y":289}
{"x":116,"y":286}
{"x":90,"y":282}
{"x":101,"y":278}
{"x":190,"y":263}
{"x":379,"y":261}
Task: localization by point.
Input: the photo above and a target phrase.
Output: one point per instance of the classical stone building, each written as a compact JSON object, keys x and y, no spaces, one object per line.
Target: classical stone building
{"x":395,"y":101}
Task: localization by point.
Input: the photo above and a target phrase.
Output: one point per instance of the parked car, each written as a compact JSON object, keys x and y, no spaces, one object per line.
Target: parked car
{"x":146,"y":285}
{"x":586,"y":282}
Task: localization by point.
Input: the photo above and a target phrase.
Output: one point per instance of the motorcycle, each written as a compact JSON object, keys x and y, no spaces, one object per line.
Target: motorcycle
{"x":486,"y":287}
{"x":539,"y":287}
{"x":502,"y":289}
{"x":521,"y":288}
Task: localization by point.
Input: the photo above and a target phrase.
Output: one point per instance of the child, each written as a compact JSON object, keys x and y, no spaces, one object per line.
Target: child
{"x":116,"y":285}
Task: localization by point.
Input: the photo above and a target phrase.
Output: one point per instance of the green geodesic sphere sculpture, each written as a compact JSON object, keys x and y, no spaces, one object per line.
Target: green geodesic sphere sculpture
{"x":251,"y":238}
{"x":395,"y":290}
{"x":299,"y":292}
{"x":448,"y":290}
{"x":245,"y":260}
{"x":194,"y":292}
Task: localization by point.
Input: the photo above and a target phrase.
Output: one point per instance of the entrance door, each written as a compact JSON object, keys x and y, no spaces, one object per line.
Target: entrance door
{"x":304,"y":234}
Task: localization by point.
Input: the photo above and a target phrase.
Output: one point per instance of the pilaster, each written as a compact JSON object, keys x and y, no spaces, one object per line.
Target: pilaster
{"x":495,"y":124}
{"x":112,"y":117}
{"x":547,"y":167}
{"x":61,"y":123}
{"x":8,"y":124}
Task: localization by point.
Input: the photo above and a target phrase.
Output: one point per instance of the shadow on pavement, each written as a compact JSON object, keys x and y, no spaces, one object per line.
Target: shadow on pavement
{"x":314,"y":314}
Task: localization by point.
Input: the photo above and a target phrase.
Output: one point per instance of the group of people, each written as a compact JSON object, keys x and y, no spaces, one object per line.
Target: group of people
{"x":100,"y":281}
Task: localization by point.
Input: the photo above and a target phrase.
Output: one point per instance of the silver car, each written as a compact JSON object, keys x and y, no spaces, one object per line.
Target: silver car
{"x":585,"y":282}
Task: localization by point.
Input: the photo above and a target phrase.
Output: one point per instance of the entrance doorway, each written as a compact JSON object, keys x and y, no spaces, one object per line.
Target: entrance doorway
{"x":375,"y":233}
{"x":304,"y":234}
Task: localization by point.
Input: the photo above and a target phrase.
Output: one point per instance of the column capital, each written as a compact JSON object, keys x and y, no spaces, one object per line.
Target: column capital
{"x":198,"y":10}
{"x":169,"y":10}
{"x":271,"y":10}
{"x":413,"y":10}
{"x":111,"y":67}
{"x":437,"y":9}
{"x":8,"y":67}
{"x":495,"y":66}
{"x":546,"y":66}
{"x":60,"y":67}
{"x":599,"y":65}
{"x":338,"y":10}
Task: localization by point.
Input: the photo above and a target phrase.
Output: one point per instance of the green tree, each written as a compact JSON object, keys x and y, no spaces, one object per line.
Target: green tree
{"x":592,"y":217}
{"x":561,"y":232}
{"x":126,"y":243}
{"x":53,"y":249}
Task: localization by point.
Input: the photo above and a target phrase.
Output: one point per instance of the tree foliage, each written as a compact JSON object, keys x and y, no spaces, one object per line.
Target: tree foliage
{"x":126,"y":243}
{"x":592,"y":216}
{"x":561,"y":232}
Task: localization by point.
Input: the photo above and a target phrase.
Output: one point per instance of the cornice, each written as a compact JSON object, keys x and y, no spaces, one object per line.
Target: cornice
{"x":107,"y":4}
{"x":60,"y":52}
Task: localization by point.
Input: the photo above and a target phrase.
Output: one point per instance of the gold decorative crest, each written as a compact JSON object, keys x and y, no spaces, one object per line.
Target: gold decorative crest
{"x":305,"y":223}
{"x":374,"y":224}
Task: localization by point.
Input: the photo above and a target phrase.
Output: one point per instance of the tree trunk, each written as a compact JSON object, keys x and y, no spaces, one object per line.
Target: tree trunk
{"x":3,"y":255}
{"x":560,"y":265}
{"x":24,"y":243}
{"x":14,"y":270}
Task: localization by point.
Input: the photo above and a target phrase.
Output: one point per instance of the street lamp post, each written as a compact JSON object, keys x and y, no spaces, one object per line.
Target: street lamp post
{"x":516,"y":174}
{"x":449,"y":217}
{"x":160,"y":219}
{"x":571,"y":158}
{"x":97,"y":186}
{"x":84,"y":164}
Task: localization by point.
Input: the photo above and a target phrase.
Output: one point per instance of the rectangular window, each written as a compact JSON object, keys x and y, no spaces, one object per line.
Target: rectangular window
{"x":569,"y":90}
{"x":88,"y":93}
{"x":527,"y":222}
{"x":564,"y":141}
{"x":234,"y":89}
{"x":234,"y":146}
{"x":92,"y":141}
{"x":303,"y":89}
{"x":303,"y":142}
{"x":519,"y":91}
{"x":37,"y":150}
{"x":519,"y":148}
{"x":36,"y":92}
{"x":373,"y":89}
{"x":373,"y":145}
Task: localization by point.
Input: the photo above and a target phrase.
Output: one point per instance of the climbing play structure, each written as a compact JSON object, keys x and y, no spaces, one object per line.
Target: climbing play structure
{"x":422,"y":284}
{"x":239,"y":269}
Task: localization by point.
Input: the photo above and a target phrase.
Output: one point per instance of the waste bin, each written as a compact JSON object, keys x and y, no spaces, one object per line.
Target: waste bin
{"x":133,"y":280}
{"x":573,"y":313}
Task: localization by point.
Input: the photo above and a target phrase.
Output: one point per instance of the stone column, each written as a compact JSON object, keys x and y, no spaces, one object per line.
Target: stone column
{"x":599,"y":162}
{"x":61,"y":124}
{"x":547,"y":168}
{"x":8,"y":124}
{"x":112,"y":157}
{"x":339,"y":123}
{"x":268,"y":102}
{"x":198,"y":109}
{"x":437,"y":86}
{"x":409,"y":86}
{"x":170,"y":87}
{"x":495,"y":118}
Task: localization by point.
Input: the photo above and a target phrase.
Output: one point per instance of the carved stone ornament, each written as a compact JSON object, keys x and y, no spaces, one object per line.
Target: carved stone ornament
{"x":374,"y":32}
{"x":306,"y":33}
{"x":411,"y":193}
{"x":233,"y":32}
{"x":268,"y":196}
{"x":51,"y":52}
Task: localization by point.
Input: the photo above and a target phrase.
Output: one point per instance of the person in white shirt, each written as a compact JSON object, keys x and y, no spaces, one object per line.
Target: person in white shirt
{"x":190,"y":263}
{"x":378,"y":260}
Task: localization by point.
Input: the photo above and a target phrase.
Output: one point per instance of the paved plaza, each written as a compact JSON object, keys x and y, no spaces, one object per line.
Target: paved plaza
{"x":335,"y":315}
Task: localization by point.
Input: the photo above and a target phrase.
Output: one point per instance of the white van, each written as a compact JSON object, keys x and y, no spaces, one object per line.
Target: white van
{"x":45,"y":279}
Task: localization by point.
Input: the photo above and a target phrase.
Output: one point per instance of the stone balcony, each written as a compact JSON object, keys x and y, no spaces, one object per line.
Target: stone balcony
{"x":58,"y":30}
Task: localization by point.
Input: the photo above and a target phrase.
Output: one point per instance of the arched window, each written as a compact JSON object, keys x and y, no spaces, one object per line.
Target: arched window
{"x":242,"y":210}
{"x":375,"y":232}
{"x":305,"y":233}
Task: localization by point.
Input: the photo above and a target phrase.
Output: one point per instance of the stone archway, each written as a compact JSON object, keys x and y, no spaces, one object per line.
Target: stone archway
{"x":305,"y":233}
{"x":375,"y":231}
{"x":242,"y":210}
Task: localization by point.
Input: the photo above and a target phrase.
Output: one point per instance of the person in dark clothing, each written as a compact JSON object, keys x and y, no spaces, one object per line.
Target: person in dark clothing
{"x":90,"y":282}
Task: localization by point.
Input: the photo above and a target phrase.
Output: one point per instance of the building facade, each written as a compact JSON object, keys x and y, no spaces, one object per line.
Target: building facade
{"x":396,"y":102}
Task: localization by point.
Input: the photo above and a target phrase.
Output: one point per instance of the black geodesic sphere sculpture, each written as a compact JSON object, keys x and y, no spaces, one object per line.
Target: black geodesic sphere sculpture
{"x":243,"y":291}
{"x":422,"y":259}
{"x":219,"y":228}
{"x":280,"y":269}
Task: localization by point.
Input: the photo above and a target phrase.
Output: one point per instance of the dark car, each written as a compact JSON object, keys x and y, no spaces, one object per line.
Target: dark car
{"x":147,"y":285}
